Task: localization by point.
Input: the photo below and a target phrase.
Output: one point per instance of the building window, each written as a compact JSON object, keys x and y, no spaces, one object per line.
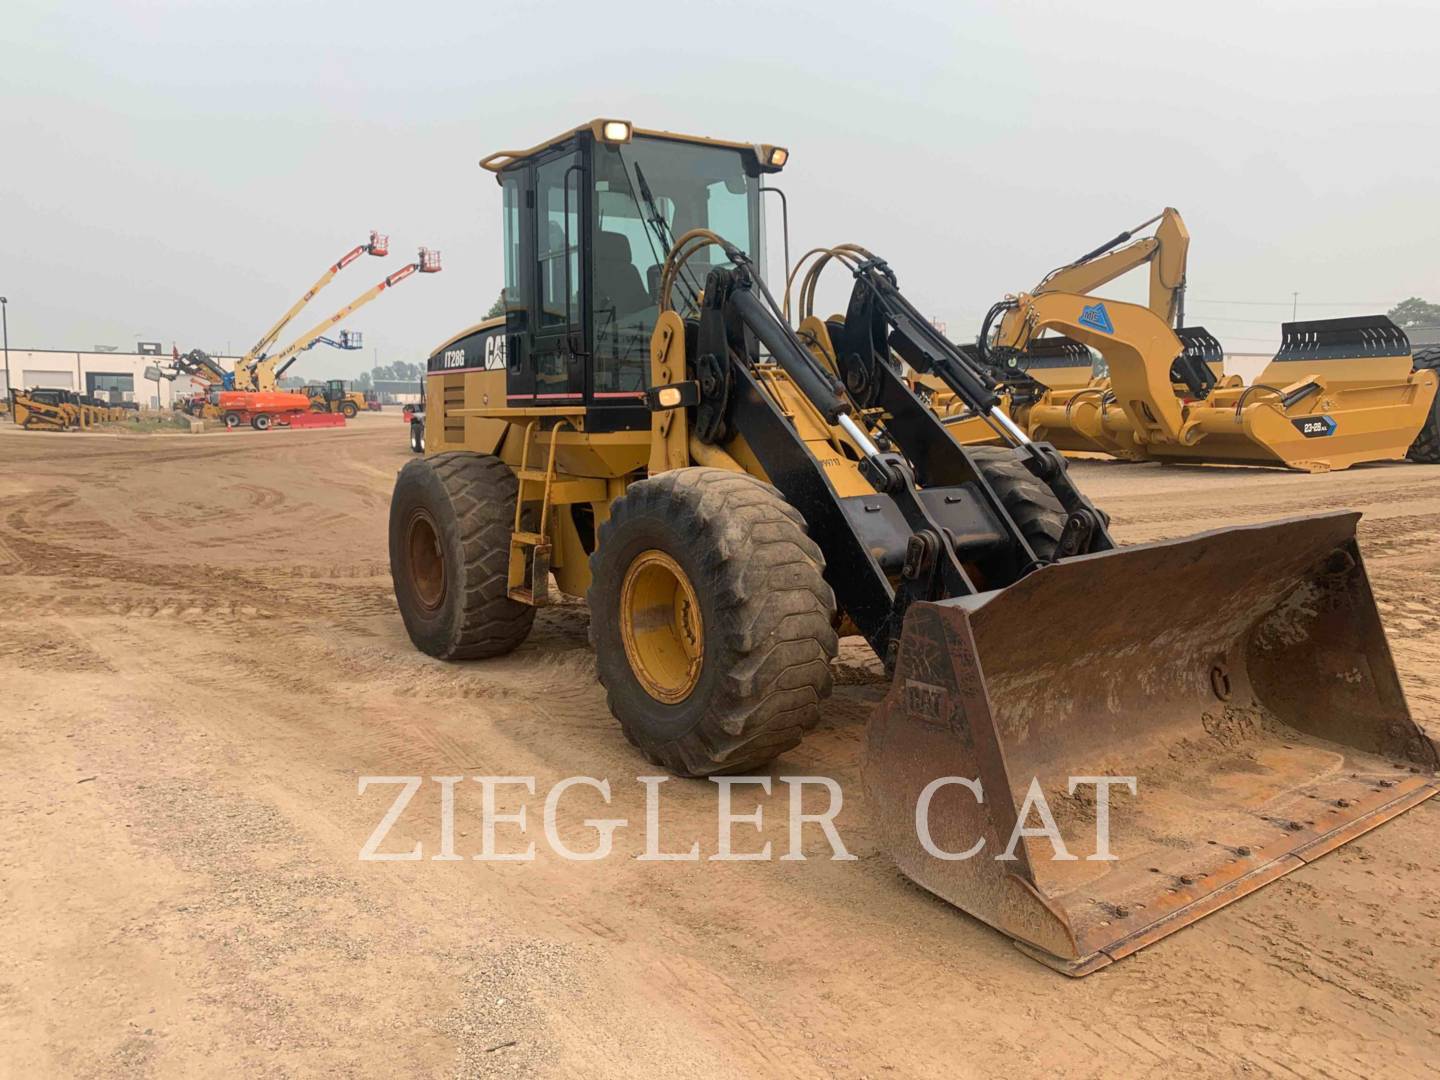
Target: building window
{"x":111,"y":386}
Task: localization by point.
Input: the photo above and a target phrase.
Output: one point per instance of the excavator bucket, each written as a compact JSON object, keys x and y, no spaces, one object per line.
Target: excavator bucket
{"x":1239,"y":679}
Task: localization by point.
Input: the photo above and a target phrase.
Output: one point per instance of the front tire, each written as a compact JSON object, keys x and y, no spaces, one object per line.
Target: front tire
{"x":1031,"y":504}
{"x":712,"y":623}
{"x":417,"y":438}
{"x":1426,"y":447}
{"x":451,"y":516}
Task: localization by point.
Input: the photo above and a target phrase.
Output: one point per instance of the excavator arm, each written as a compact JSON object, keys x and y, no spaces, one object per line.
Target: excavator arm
{"x":1138,"y":345}
{"x":1166,"y":252}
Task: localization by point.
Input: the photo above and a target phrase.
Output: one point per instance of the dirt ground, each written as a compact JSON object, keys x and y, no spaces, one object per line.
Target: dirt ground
{"x":200,"y":654}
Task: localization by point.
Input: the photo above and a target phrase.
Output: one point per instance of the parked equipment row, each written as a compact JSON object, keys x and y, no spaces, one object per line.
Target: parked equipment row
{"x":46,"y":409}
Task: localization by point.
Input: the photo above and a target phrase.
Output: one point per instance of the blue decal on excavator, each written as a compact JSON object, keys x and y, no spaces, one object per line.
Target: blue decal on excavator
{"x":1097,"y":318}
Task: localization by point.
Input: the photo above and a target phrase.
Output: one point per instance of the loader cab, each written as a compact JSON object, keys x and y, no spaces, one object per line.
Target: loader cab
{"x":588,"y":220}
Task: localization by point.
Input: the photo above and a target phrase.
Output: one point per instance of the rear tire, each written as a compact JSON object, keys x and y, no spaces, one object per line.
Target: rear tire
{"x":1034,"y":506}
{"x":417,"y":438}
{"x":450,"y":521}
{"x":708,"y":580}
{"x":1426,"y":447}
{"x":348,"y":410}
{"x":261,"y":422}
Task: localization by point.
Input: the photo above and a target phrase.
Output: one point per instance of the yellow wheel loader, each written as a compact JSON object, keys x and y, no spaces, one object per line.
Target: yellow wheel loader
{"x":730,"y":493}
{"x":335,"y":397}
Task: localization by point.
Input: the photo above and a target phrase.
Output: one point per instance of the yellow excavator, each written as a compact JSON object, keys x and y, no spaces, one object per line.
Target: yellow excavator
{"x":730,"y":493}
{"x":1055,"y":373}
{"x":1338,"y":392}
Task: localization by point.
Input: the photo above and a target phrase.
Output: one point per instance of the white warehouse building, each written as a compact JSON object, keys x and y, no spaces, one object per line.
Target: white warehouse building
{"x":106,"y":375}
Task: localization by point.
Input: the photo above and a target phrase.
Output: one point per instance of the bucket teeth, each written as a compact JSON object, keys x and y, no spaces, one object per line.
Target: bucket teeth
{"x":1355,"y":337}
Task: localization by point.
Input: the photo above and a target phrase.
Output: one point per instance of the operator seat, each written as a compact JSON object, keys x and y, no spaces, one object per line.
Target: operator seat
{"x":616,"y":279}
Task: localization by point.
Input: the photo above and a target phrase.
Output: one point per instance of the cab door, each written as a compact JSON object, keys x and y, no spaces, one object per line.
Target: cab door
{"x":557,"y":345}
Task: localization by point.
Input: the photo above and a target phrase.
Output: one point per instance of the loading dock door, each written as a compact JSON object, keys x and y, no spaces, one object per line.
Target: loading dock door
{"x":51,"y":380}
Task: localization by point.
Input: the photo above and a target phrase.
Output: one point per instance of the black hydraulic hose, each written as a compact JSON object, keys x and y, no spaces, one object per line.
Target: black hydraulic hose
{"x":1245,"y":394}
{"x":982,"y":343}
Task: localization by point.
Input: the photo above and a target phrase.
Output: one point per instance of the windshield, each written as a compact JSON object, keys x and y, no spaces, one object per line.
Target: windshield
{"x":647,"y":195}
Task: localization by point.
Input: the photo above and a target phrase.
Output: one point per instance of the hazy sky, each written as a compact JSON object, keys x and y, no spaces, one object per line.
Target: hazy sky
{"x":181,"y":171}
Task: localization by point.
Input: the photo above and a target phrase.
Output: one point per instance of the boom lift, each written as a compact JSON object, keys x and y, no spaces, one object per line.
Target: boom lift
{"x":378,"y":244}
{"x":728,"y":491}
{"x":264,"y":373}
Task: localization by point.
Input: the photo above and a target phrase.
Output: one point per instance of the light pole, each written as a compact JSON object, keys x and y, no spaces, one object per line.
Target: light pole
{"x":5,"y":324}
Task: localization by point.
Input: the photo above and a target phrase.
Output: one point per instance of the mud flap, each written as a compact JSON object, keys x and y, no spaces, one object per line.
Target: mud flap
{"x":1241,"y":677}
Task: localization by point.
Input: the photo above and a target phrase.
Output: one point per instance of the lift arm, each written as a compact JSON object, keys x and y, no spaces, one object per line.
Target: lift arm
{"x":263,"y":374}
{"x":933,"y":527}
{"x":378,"y":244}
{"x":879,"y":321}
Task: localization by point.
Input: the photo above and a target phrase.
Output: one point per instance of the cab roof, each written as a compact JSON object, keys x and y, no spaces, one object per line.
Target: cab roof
{"x":766,"y":156}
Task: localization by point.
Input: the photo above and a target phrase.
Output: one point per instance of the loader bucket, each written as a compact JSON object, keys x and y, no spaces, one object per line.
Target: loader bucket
{"x":1241,"y":677}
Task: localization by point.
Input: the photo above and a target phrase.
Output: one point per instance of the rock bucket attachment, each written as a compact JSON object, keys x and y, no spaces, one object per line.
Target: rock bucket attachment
{"x":1243,"y":679}
{"x":1351,"y":338}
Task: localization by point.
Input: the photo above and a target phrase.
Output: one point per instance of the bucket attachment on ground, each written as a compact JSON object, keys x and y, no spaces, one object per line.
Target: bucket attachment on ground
{"x":1348,"y":338}
{"x":1242,"y":677}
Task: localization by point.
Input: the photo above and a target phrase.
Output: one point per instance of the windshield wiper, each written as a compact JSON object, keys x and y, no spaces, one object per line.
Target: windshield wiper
{"x":662,"y":231}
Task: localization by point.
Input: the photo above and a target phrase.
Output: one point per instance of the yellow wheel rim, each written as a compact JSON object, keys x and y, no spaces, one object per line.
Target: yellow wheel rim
{"x":427,"y":560}
{"x":661,"y":626}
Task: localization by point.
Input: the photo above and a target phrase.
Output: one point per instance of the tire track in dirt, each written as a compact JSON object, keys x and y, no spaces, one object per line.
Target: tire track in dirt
{"x":259,"y":670}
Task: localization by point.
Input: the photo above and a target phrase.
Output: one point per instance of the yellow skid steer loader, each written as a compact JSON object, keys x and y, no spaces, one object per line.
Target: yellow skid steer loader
{"x":46,"y":409}
{"x":727,"y":491}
